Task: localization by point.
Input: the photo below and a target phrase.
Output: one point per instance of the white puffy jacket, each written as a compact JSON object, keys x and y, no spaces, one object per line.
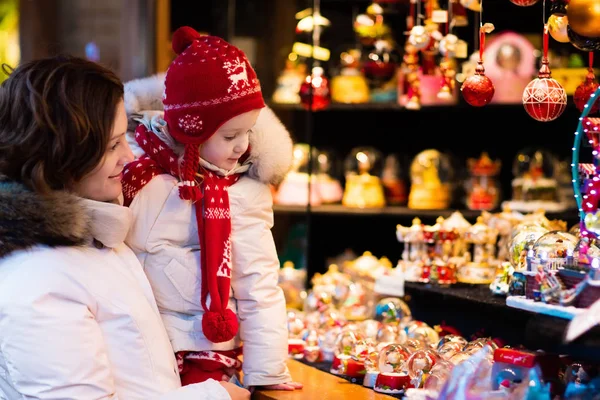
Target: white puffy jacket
{"x":164,"y":236}
{"x":79,"y":321}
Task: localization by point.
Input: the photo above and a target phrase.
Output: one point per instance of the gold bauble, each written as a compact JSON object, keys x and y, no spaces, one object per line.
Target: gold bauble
{"x":557,"y":28}
{"x":584,"y":17}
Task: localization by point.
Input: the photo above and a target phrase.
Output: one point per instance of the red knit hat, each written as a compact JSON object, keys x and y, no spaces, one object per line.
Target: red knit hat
{"x":208,"y":83}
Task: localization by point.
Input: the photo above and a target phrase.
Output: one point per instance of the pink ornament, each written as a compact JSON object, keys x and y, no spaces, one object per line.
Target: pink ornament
{"x":478,"y":89}
{"x":524,"y":3}
{"x":544,"y":98}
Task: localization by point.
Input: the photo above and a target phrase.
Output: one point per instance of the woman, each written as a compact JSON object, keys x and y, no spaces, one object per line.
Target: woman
{"x":78,"y":319}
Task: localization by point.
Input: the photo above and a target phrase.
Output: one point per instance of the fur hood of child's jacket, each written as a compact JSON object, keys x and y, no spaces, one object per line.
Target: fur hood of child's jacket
{"x":270,"y":141}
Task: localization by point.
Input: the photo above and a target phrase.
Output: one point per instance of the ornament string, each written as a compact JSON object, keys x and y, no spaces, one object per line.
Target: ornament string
{"x":481,"y":33}
{"x":419,"y":12}
{"x":545,"y":43}
{"x":411,"y":22}
{"x":591,"y":61}
{"x":449,"y":16}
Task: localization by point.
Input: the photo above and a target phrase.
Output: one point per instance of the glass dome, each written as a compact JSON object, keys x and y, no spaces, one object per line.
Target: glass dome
{"x":534,"y":163}
{"x":431,"y":166}
{"x":346,"y":342}
{"x":364,"y":160}
{"x":300,"y":157}
{"x":522,"y":240}
{"x":553,"y":247}
{"x":326,"y":162}
{"x":392,"y":310}
{"x":392,"y":358}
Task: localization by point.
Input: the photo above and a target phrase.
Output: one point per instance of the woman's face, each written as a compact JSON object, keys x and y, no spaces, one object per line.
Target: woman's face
{"x":230,"y":142}
{"x":104,"y":182}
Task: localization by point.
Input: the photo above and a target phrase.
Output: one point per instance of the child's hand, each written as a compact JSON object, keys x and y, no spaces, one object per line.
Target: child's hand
{"x":282,"y":386}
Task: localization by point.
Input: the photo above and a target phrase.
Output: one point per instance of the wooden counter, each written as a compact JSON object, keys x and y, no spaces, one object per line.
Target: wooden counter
{"x":320,"y":385}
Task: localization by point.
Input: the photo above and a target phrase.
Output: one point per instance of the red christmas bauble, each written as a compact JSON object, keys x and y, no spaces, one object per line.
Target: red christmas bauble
{"x":584,"y":91}
{"x":524,"y":3}
{"x":478,"y":90}
{"x":544,"y":99}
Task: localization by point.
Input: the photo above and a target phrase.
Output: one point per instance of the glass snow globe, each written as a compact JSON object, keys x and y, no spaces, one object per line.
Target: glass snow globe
{"x":431,"y":176}
{"x":392,"y":378}
{"x":363,"y":186}
{"x":534,"y":185}
{"x":392,"y":310}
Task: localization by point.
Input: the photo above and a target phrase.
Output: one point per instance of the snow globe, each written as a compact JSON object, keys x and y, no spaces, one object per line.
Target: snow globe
{"x":431,"y":176}
{"x":534,"y":185}
{"x":392,"y":378}
{"x":363,"y":186}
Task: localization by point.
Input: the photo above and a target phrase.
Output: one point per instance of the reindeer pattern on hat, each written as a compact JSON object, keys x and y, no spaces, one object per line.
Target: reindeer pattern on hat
{"x":238,"y":74}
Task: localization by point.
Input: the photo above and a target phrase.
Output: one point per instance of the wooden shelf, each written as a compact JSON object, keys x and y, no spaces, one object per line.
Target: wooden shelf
{"x":340,"y":210}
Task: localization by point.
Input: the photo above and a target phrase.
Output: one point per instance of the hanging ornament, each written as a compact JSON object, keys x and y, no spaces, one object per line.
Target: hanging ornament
{"x":524,"y":3}
{"x":557,"y":27}
{"x":584,"y":17}
{"x":478,"y":90}
{"x":419,"y":37}
{"x":581,"y":42}
{"x":319,"y":97}
{"x":586,"y":88}
{"x":448,"y":45}
{"x":473,"y":5}
{"x":559,"y":7}
{"x":447,"y":90}
{"x":544,"y":98}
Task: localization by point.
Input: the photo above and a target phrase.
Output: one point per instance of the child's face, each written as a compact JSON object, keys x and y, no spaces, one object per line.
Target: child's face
{"x":230,"y":142}
{"x":104,"y":182}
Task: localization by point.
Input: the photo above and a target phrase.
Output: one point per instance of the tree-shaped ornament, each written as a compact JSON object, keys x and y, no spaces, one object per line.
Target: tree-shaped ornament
{"x":586,"y":88}
{"x":478,"y":90}
{"x":544,"y":98}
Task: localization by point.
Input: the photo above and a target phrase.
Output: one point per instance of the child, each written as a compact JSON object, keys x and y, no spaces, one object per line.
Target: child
{"x":203,"y":212}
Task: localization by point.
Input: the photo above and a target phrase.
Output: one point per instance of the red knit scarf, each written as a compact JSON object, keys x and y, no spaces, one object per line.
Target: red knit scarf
{"x":219,"y":324}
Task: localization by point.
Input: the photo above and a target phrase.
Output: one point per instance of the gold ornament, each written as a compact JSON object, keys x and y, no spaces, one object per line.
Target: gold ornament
{"x":584,"y":17}
{"x":557,"y":27}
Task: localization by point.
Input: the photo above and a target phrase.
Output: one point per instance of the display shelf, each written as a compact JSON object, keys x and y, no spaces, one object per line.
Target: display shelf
{"x":341,"y":210}
{"x":490,"y":314}
{"x":392,"y":106}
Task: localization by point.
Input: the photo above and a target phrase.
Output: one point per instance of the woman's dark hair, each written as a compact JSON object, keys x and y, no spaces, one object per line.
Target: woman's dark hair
{"x":56,"y":119}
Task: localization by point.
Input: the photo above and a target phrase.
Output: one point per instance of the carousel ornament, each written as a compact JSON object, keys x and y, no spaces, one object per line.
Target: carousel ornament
{"x":524,"y":3}
{"x":478,"y":90}
{"x":544,"y":98}
{"x":584,"y":17}
{"x":586,"y":88}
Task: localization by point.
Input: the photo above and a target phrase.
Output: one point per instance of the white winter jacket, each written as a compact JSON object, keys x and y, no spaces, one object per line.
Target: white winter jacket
{"x":79,"y":321}
{"x":165,"y":238}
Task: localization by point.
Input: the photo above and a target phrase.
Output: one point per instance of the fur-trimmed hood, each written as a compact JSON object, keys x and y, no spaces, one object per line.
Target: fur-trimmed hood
{"x":28,"y":219}
{"x":270,"y":142}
